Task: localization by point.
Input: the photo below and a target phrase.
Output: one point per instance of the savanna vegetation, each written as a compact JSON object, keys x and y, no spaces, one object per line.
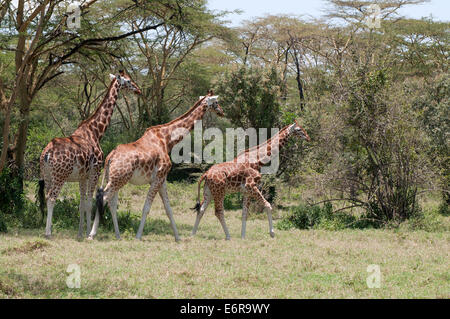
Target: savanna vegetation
{"x":372,"y":186}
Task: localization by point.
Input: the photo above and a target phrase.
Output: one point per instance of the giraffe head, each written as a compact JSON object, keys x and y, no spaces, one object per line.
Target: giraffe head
{"x":212,"y":103}
{"x":125,"y":82}
{"x":300,"y":131}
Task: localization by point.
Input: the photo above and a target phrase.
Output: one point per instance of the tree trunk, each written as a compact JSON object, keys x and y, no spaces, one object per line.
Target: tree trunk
{"x":298,"y":78}
{"x":22,"y":132}
{"x":24,"y":101}
{"x":5,"y":138}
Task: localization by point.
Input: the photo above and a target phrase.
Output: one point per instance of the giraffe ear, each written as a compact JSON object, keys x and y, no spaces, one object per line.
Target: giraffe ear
{"x":112,"y":76}
{"x":122,"y":72}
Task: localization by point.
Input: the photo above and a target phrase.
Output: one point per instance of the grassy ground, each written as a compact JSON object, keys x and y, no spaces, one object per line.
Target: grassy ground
{"x":295,"y":264}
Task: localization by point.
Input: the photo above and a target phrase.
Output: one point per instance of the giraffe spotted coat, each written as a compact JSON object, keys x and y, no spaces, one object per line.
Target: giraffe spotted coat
{"x":242,"y":175}
{"x":147,"y":161}
{"x":79,"y":157}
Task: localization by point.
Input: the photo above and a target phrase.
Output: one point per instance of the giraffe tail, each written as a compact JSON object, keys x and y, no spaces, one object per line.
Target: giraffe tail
{"x":101,"y":192}
{"x":44,"y":158}
{"x":41,"y":197}
{"x":198,"y":204}
{"x":99,"y":202}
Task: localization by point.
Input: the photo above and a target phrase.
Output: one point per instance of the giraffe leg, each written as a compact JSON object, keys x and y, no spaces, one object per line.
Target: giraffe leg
{"x":48,"y":186}
{"x":169,"y":213}
{"x":113,"y":207}
{"x":82,"y":184}
{"x":48,"y":227}
{"x":206,"y":201}
{"x":88,"y":213}
{"x":245,"y":206}
{"x":221,"y":216}
{"x":94,"y":225}
{"x":91,"y":189}
{"x":269,"y":216}
{"x":267,"y":207}
{"x":156,"y":184}
{"x":51,"y":200}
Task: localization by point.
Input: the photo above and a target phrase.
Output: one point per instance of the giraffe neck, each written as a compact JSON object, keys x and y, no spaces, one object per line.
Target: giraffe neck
{"x":176,"y":130}
{"x":260,"y":155}
{"x":95,"y":126}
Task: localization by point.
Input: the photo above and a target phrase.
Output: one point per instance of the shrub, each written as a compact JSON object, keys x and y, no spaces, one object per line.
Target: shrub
{"x":443,"y":209}
{"x":306,"y":217}
{"x":232,"y":201}
{"x":12,"y":199}
{"x":428,"y":220}
{"x":3,"y":227}
{"x":322,"y":217}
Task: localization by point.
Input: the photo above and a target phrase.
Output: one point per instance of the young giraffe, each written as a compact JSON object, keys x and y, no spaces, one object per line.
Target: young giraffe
{"x":147,"y":161}
{"x":79,"y":158}
{"x":242,"y":174}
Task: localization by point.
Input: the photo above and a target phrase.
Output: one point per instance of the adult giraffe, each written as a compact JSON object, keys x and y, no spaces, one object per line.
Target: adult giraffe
{"x":147,"y":161}
{"x":79,"y":157}
{"x":242,"y":174}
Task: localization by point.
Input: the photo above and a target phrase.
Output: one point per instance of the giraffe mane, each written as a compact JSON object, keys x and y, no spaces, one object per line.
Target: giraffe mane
{"x":265,"y":142}
{"x":181,"y":117}
{"x":98,"y":107}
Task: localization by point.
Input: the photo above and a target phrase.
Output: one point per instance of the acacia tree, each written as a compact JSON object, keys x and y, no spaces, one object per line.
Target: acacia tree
{"x":377,"y":143}
{"x":44,"y":47}
{"x":161,"y":52}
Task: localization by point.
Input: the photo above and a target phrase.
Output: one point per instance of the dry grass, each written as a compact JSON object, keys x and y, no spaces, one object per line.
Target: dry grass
{"x":296,"y":264}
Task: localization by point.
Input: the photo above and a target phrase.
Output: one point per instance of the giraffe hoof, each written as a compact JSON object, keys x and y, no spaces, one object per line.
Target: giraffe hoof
{"x":228,"y":238}
{"x":272,"y":234}
{"x":48,"y":237}
{"x":90,"y":238}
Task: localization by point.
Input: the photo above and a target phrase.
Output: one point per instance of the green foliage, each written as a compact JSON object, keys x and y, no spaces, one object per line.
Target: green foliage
{"x":322,"y":217}
{"x":379,"y":158}
{"x":38,"y":137}
{"x":3,"y":226}
{"x":11,"y":190}
{"x":65,"y":215}
{"x":432,"y":109}
{"x":375,"y":101}
{"x":250,"y":97}
{"x":232,"y":201}
{"x":306,"y":217}
{"x":429,"y":220}
{"x":443,"y":209}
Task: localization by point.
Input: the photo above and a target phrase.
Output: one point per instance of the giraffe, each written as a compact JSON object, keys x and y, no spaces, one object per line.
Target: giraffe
{"x":79,"y":157}
{"x":242,"y":174}
{"x":147,"y":161}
